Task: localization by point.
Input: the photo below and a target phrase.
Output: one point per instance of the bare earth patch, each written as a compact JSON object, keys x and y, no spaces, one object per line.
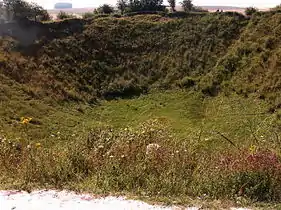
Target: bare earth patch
{"x":59,"y":200}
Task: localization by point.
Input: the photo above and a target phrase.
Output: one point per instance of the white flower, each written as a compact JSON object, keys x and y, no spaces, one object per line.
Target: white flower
{"x":152,"y":148}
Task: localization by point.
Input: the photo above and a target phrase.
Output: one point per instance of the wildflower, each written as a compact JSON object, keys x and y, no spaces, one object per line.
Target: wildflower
{"x":122,"y":156}
{"x":253,"y":149}
{"x":38,"y":145}
{"x":177,"y":151}
{"x":100,"y":146}
{"x":152,"y":148}
{"x":28,"y":146}
{"x":25,"y":120}
{"x":111,"y":156}
{"x":2,"y":139}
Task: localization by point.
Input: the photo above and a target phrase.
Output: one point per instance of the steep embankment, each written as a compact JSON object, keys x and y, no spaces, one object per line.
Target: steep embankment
{"x":113,"y":57}
{"x":128,"y":56}
{"x":123,"y":57}
{"x":252,"y":64}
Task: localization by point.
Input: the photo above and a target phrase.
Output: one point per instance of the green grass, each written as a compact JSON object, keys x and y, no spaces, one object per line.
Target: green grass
{"x":186,"y":125}
{"x":225,"y":147}
{"x":251,"y":65}
{"x":108,"y":57}
{"x":191,"y":113}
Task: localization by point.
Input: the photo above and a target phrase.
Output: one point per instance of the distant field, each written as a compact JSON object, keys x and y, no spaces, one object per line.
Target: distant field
{"x":76,"y":11}
{"x":80,"y":11}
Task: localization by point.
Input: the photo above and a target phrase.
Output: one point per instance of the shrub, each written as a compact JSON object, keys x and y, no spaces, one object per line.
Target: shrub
{"x":199,"y":9}
{"x":249,"y":11}
{"x":23,"y":10}
{"x":63,"y":15}
{"x":252,"y":174}
{"x":187,"y":82}
{"x":172,"y":4}
{"x":88,"y":15}
{"x":105,"y":9}
{"x":116,"y":160}
{"x":143,"y":5}
{"x":122,"y":5}
{"x":187,"y":5}
{"x":276,"y":9}
{"x":122,"y":160}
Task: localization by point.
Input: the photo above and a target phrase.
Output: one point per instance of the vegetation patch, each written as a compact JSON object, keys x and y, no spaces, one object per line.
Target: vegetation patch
{"x":150,"y":103}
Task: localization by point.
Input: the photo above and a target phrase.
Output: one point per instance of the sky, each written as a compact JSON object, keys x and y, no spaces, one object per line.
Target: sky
{"x":49,"y":4}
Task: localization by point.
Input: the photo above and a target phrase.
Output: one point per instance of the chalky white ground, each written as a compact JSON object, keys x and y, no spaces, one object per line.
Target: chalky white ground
{"x":63,"y":200}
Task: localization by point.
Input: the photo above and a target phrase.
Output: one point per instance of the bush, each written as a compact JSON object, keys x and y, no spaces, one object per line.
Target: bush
{"x":249,"y":11}
{"x":115,"y":160}
{"x":105,"y":9}
{"x":126,"y":160}
{"x":199,"y":9}
{"x":116,"y":15}
{"x":276,"y":9}
{"x":143,"y":5}
{"x":251,"y":174}
{"x":142,"y":13}
{"x":122,"y":5}
{"x":63,"y":15}
{"x":23,"y":10}
{"x":172,"y":4}
{"x":88,"y":15}
{"x":187,"y":5}
{"x":187,"y":82}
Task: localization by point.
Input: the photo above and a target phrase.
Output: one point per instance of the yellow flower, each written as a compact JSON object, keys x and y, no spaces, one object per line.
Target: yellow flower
{"x":38,"y":145}
{"x":25,"y":120}
{"x":253,"y":149}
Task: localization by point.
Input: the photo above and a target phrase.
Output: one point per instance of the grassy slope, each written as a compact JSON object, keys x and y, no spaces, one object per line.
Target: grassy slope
{"x":252,"y":64}
{"x":188,"y":125}
{"x":128,"y":56}
{"x":189,"y":119}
